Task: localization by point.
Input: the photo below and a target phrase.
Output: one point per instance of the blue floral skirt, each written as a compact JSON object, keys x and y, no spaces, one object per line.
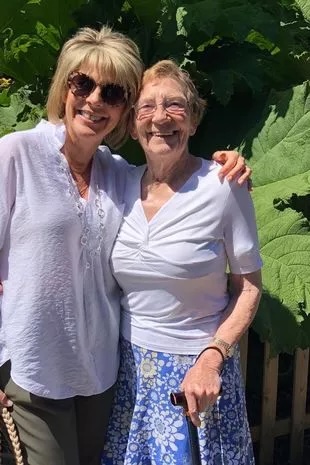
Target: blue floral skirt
{"x":146,"y":429}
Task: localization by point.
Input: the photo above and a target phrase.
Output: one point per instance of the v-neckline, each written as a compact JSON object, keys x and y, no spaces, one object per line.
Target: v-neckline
{"x":172,"y":198}
{"x":92,"y":180}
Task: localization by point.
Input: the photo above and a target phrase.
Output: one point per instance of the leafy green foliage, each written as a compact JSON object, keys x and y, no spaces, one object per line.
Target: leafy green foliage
{"x":284,"y":138}
{"x":278,"y":146}
{"x":145,"y":11}
{"x":31,"y":33}
{"x":17,"y":112}
{"x":96,"y":12}
{"x":304,"y":7}
{"x":251,"y":60}
{"x":224,"y":19}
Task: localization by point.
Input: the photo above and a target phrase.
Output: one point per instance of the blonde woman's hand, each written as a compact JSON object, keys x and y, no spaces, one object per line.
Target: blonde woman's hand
{"x":233,"y":166}
{"x":4,"y":400}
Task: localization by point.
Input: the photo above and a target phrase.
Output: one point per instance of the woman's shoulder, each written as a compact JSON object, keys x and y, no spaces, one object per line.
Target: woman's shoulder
{"x":16,"y":145}
{"x":211,"y":169}
{"x":218,"y":188}
{"x":210,"y":166}
{"x":112,"y":170}
{"x":106,"y":157}
{"x":21,"y":139}
{"x":209,"y":173}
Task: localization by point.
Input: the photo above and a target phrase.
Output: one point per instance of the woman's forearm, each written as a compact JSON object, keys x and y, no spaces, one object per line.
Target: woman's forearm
{"x":246,"y":292}
{"x":202,"y":382}
{"x":245,"y":296}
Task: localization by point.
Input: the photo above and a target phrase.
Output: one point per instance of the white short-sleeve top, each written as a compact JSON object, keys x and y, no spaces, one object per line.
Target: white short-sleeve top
{"x":172,"y":269}
{"x":60,"y":305}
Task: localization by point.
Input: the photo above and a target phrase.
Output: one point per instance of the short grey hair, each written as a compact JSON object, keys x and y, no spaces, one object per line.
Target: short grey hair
{"x":170,"y":69}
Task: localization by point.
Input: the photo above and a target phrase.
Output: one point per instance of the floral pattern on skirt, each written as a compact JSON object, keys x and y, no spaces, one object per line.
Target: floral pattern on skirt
{"x":146,"y":429}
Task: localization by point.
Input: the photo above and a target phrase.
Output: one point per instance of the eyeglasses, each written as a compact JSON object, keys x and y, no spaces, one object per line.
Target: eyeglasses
{"x":82,"y":85}
{"x":173,"y":106}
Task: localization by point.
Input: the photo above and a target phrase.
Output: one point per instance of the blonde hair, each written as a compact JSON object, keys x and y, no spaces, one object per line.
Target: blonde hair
{"x":112,"y":54}
{"x":169,"y":69}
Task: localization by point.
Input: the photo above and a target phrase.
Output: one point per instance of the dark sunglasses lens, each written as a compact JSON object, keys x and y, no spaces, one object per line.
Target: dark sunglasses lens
{"x":113,"y":94}
{"x":82,"y":85}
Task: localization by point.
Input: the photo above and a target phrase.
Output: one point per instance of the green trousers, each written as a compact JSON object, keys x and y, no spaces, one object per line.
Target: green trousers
{"x":58,"y":432}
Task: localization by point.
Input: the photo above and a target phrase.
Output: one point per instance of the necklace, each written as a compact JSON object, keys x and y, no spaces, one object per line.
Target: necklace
{"x":82,"y":179}
{"x":92,"y":235}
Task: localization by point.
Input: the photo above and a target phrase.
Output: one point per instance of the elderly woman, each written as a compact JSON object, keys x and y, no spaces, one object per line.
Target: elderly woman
{"x":180,"y":320}
{"x":61,"y":203}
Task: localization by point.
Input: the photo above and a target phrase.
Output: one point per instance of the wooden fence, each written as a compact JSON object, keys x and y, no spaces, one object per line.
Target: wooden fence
{"x":264,"y":434}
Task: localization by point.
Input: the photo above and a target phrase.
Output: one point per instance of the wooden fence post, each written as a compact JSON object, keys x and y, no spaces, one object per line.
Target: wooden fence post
{"x":243,"y":344}
{"x":269,"y":405}
{"x":298,"y":414}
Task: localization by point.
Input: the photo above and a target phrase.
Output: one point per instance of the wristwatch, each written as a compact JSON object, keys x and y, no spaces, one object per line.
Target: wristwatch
{"x":226,"y":349}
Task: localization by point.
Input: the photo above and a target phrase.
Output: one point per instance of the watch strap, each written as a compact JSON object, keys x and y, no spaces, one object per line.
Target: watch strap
{"x":227,"y":349}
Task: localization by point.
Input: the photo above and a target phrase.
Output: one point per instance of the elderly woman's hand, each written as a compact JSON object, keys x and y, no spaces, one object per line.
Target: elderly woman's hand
{"x":233,"y":165}
{"x":202,"y":385}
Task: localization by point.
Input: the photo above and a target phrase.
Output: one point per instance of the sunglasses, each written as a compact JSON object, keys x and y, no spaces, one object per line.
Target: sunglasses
{"x":82,"y":85}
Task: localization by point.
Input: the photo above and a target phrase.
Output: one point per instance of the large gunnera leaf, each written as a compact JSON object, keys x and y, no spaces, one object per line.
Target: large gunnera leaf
{"x":304,"y":5}
{"x":279,"y":148}
{"x":17,"y":112}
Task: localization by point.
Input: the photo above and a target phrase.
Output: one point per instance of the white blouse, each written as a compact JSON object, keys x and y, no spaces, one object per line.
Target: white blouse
{"x":172,"y":269}
{"x":60,"y":305}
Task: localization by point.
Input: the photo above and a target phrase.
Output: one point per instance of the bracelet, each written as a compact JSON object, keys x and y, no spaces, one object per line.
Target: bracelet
{"x":214,"y":348}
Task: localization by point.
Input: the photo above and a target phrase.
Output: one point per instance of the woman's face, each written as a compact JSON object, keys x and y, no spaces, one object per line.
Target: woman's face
{"x":90,"y":116}
{"x":162,"y":118}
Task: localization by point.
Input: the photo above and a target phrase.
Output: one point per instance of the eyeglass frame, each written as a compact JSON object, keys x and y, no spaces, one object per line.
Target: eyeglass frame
{"x":163,"y":104}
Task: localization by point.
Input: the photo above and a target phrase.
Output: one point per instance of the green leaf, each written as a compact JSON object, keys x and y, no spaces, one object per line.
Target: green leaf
{"x":146,"y":10}
{"x":31,"y":34}
{"x":18,"y":113}
{"x":226,"y":18}
{"x":49,"y":34}
{"x":235,"y":63}
{"x":4,"y":98}
{"x":283,"y":141}
{"x":280,"y":147}
{"x":272,"y":316}
{"x":231,"y":40}
{"x":12,"y":10}
{"x":95,"y":12}
{"x":222,"y":84}
{"x":304,"y":6}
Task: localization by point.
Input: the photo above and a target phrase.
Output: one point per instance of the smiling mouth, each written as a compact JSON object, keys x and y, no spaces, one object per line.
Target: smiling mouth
{"x":163,"y":134}
{"x":90,"y":116}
